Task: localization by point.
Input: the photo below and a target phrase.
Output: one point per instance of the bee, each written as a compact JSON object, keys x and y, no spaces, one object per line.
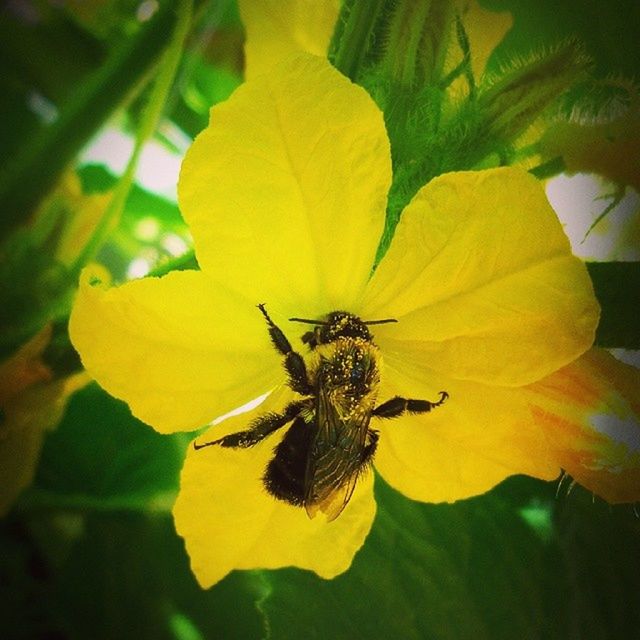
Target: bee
{"x":329,"y":443}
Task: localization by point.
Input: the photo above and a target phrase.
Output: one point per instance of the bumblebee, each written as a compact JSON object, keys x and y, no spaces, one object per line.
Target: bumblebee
{"x":329,"y":442}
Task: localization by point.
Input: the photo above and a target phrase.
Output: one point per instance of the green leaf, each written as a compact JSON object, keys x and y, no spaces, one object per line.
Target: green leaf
{"x":617,"y":287}
{"x":35,"y":287}
{"x":595,"y":558}
{"x":23,"y":592}
{"x":482,"y":568}
{"x":136,"y":583}
{"x":101,"y":457}
{"x":468,"y":570}
{"x":116,"y":575}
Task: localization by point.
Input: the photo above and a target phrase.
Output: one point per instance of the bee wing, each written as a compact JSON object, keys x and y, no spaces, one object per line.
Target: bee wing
{"x":335,"y":502}
{"x":335,"y":458}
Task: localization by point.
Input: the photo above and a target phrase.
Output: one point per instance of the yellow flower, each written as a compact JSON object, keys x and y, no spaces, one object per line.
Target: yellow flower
{"x":589,"y":412}
{"x":605,"y":148}
{"x":485,"y":31}
{"x":277,"y":28}
{"x":81,"y":214}
{"x":285,"y":195}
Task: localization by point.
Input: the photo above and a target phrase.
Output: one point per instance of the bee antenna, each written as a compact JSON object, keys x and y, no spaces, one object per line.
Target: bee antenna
{"x":316,"y":322}
{"x":385,"y":321}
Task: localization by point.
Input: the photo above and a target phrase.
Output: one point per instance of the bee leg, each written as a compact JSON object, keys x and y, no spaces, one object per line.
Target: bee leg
{"x":260,"y":428}
{"x":293,"y":361}
{"x":309,"y":338}
{"x":397,"y":406}
{"x":370,"y":448}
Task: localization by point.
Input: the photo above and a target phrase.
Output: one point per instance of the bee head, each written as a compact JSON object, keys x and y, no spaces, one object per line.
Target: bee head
{"x":338,"y":324}
{"x":341,"y":324}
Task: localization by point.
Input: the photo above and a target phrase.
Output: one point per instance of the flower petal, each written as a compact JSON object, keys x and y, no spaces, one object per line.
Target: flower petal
{"x":278,"y":28}
{"x":590,"y":413}
{"x":180,"y":350}
{"x":598,"y":147}
{"x":477,"y":438}
{"x":229,"y":521}
{"x":285,"y":191}
{"x":482,"y":279}
{"x":485,"y":30}
{"x":19,"y":454}
{"x":25,"y":367}
{"x":26,"y":418}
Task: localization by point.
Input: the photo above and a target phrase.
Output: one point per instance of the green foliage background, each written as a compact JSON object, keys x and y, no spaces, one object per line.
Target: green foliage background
{"x":89,"y":551}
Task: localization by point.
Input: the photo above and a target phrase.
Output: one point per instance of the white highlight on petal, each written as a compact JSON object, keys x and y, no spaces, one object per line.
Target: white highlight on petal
{"x":619,"y":430}
{"x":252,"y":404}
{"x":623,"y":449}
{"x":628,"y":356}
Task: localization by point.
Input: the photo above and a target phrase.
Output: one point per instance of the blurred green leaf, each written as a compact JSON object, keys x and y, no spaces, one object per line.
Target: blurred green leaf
{"x":212,"y":69}
{"x":44,"y":52}
{"x":36,"y":288}
{"x":595,"y":559}
{"x":24,"y":586}
{"x":114,"y":575}
{"x":147,"y":125}
{"x":609,"y":31}
{"x":136,"y":583}
{"x":209,"y":85}
{"x":29,"y":174}
{"x":151,"y":227}
{"x":113,"y":20}
{"x":617,"y":287}
{"x":140,"y":203}
{"x":101,"y":457}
